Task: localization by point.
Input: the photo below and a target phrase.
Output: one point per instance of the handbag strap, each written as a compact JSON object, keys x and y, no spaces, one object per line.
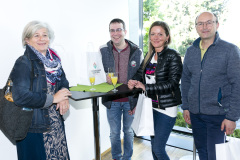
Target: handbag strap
{"x":8,"y":79}
{"x":225,"y":137}
{"x":145,"y":92}
{"x":32,"y":75}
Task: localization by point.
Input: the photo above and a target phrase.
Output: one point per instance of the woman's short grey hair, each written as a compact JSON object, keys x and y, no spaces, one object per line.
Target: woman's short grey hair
{"x":32,"y":27}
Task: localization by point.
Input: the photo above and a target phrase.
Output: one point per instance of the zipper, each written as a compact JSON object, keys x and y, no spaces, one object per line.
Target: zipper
{"x":199,"y":92}
{"x":202,"y":63}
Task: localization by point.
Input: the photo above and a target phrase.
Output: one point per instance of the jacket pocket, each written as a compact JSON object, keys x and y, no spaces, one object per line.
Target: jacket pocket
{"x":226,"y":93}
{"x":193,"y":98}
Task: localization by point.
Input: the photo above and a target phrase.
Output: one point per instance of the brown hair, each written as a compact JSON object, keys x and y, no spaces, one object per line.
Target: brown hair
{"x":150,"y":46}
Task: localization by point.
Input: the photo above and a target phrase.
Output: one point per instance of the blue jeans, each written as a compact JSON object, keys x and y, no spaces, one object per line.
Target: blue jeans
{"x":114,"y":116}
{"x":207,"y":132}
{"x":163,"y":125}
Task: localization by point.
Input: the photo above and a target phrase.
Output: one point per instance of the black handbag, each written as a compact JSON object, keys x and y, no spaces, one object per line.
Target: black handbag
{"x":14,"y":120}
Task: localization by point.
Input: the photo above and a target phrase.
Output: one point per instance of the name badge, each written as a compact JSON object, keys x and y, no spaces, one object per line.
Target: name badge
{"x":133,"y":63}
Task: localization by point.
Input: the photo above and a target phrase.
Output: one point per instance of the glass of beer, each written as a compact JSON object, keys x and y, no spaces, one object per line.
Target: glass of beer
{"x":114,"y":79}
{"x":92,"y":79}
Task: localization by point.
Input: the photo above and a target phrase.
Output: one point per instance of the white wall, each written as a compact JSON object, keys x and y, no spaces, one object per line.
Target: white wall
{"x":75,"y":23}
{"x":79,"y":130}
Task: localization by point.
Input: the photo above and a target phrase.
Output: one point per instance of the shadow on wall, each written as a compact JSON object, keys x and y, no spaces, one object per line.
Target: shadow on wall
{"x":78,"y":105}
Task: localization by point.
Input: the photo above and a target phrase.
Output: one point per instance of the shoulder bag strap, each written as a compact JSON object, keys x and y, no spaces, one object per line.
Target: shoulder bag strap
{"x":32,"y":75}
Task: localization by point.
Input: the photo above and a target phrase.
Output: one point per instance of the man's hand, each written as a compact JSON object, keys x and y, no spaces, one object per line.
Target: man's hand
{"x":109,"y":81}
{"x":186,"y":116}
{"x":229,"y":126}
{"x":131,"y":112}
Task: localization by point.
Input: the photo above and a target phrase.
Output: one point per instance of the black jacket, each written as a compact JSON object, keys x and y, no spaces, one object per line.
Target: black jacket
{"x":168,"y":74}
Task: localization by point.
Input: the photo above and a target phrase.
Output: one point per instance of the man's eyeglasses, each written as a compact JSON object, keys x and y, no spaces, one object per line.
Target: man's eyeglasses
{"x":208,"y":24}
{"x":118,"y":30}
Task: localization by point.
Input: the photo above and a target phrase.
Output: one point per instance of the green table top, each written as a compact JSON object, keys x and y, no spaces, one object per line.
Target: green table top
{"x":103,"y":87}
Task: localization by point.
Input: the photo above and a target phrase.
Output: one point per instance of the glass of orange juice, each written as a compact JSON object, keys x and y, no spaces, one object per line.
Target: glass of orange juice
{"x":92,"y":79}
{"x":110,"y":72}
{"x":114,"y":79}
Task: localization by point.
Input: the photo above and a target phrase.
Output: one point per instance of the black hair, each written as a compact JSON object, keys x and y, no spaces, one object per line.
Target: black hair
{"x":117,"y":20}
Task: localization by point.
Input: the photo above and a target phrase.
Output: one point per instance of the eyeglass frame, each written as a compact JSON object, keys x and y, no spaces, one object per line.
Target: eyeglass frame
{"x":118,"y":30}
{"x":207,"y":23}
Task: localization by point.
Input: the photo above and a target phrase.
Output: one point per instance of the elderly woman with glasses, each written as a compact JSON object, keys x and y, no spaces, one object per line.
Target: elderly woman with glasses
{"x":48,"y":98}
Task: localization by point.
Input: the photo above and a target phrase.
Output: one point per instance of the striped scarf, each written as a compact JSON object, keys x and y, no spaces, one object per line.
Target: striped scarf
{"x":52,"y":65}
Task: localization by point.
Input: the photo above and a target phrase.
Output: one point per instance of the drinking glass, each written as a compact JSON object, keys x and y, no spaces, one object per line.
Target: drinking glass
{"x":114,"y":79}
{"x":92,"y":79}
{"x":110,"y":72}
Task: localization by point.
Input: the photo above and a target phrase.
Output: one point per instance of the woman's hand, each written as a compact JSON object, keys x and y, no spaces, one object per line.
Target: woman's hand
{"x":140,"y":85}
{"x":61,"y":95}
{"x":63,"y":106}
{"x":131,"y":83}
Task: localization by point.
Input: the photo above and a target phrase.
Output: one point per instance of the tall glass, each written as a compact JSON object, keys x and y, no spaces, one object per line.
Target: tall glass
{"x":110,"y":72}
{"x":92,"y":79}
{"x":114,"y":79}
